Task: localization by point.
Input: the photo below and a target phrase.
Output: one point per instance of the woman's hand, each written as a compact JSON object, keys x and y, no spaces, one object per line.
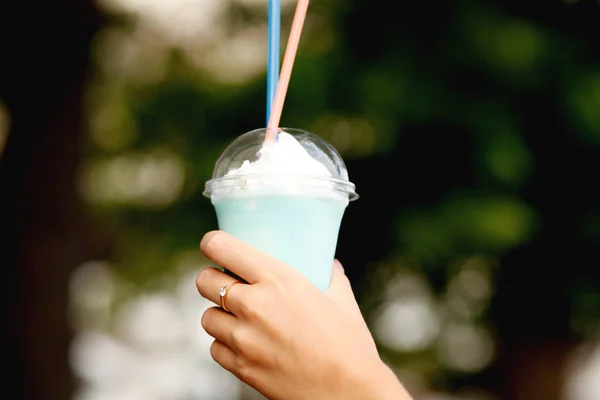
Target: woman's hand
{"x":283,"y":336}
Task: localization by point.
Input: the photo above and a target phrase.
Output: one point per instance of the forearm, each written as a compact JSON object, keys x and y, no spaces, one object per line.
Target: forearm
{"x":382,"y":384}
{"x":371,"y":380}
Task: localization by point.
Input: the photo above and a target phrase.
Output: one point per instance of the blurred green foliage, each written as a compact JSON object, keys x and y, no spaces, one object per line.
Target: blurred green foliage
{"x":368,"y":81}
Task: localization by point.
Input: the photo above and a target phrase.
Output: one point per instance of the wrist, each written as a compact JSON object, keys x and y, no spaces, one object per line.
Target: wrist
{"x":379,"y":382}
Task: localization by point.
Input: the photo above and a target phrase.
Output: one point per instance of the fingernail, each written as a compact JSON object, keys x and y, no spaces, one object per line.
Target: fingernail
{"x":338,"y":264}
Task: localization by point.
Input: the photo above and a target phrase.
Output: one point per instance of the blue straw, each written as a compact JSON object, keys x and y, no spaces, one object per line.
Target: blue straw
{"x":274,"y":38}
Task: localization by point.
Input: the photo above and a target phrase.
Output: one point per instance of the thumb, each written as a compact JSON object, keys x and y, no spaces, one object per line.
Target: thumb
{"x":339,"y":288}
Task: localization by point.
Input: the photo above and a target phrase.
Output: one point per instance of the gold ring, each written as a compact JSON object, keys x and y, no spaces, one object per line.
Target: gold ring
{"x":223,"y":293}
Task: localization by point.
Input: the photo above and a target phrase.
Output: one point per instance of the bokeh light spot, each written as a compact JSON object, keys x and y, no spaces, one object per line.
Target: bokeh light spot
{"x":351,"y":136}
{"x":93,"y":289}
{"x":465,"y":347}
{"x":152,"y":179}
{"x":583,"y":373}
{"x":408,"y":320}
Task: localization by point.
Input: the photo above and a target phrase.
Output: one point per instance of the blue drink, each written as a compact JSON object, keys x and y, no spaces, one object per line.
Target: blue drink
{"x":301,"y":231}
{"x":285,"y":197}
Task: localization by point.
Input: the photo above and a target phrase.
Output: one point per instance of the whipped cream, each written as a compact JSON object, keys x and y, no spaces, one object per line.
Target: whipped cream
{"x":284,"y":156}
{"x":283,"y":167}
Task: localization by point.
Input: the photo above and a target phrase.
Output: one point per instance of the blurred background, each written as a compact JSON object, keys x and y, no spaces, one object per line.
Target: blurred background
{"x":470,"y":128}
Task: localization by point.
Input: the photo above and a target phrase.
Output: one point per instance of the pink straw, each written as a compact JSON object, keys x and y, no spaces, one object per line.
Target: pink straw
{"x":286,"y":69}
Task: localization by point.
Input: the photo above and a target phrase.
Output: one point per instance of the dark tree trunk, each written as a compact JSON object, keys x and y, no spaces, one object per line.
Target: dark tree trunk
{"x":44,"y":230}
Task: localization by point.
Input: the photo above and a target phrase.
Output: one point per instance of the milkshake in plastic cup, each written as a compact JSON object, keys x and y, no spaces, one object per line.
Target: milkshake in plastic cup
{"x":285,"y":197}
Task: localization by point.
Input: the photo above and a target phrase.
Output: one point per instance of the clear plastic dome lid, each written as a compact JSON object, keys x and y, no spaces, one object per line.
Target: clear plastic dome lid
{"x":295,"y":154}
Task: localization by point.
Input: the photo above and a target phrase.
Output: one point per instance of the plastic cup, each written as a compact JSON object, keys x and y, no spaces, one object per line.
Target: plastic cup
{"x":294,"y":217}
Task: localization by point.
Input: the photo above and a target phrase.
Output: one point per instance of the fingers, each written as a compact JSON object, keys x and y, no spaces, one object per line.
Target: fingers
{"x":339,"y":288}
{"x":240,"y":258}
{"x":220,"y":325}
{"x":233,"y":363}
{"x":211,"y":280}
{"x":223,"y":355}
{"x":340,"y":285}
